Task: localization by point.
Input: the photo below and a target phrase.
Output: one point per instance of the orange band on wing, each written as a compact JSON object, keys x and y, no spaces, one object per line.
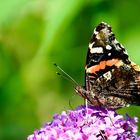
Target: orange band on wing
{"x":136,"y":67}
{"x":102,"y":65}
{"x":112,"y":62}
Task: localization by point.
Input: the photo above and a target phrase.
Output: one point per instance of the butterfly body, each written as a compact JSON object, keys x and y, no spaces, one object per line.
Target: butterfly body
{"x":111,"y":79}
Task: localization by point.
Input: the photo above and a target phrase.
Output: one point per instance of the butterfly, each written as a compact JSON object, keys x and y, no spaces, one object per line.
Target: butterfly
{"x":112,"y":80}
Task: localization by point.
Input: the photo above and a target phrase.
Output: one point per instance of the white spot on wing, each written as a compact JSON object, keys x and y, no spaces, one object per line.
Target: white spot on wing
{"x":107,"y":75}
{"x":109,"y":54}
{"x":90,"y":45}
{"x":108,"y":47}
{"x":96,"y":50}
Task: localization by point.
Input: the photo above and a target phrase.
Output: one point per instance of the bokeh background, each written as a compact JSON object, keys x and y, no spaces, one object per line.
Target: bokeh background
{"x":34,"y":34}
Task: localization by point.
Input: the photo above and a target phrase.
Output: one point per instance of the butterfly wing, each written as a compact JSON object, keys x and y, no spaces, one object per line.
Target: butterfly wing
{"x":104,"y":52}
{"x":111,"y":79}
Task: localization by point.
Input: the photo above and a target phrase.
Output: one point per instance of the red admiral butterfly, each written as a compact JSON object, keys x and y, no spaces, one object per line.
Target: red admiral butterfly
{"x":111,"y":79}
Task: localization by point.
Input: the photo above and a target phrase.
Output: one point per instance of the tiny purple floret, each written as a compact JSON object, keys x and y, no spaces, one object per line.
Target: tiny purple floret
{"x":91,"y":123}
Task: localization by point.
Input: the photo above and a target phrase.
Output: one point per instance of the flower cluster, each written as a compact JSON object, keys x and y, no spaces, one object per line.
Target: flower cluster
{"x":91,"y":123}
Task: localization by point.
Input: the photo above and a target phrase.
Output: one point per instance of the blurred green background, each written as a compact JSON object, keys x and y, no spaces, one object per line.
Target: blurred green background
{"x":37,"y":33}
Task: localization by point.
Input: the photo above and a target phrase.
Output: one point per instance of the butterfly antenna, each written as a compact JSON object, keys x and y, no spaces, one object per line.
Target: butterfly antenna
{"x":63,"y":76}
{"x":66,"y":76}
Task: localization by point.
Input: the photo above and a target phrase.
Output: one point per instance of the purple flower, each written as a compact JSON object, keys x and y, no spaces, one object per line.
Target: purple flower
{"x":92,"y":123}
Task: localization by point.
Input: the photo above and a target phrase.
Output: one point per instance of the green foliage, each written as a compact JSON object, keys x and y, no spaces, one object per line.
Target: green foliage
{"x":36,"y":34}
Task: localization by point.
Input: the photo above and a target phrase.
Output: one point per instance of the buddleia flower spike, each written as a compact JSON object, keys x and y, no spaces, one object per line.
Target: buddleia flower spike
{"x":96,"y":124}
